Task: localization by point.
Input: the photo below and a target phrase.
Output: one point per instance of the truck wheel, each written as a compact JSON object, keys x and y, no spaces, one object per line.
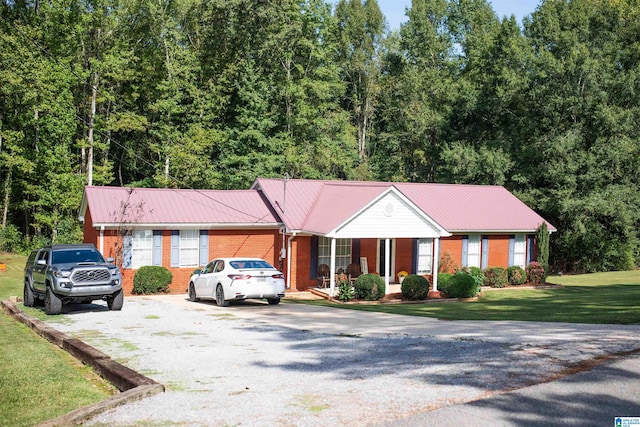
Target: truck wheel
{"x":273,"y":301}
{"x":28,"y":299}
{"x":52,"y":303}
{"x":115,"y":301}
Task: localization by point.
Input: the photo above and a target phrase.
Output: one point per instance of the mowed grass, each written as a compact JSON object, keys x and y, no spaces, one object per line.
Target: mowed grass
{"x":605,"y":298}
{"x":38,"y":380}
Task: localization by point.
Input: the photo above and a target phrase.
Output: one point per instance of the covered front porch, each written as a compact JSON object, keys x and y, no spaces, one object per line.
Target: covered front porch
{"x":388,"y":220}
{"x":384,"y":257}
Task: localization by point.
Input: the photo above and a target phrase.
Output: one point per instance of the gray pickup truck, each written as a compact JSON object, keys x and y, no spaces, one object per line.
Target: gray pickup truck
{"x":58,"y":274}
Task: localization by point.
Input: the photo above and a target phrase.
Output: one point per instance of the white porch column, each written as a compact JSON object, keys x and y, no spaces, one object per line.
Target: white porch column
{"x":101,"y":244}
{"x":436,"y":262}
{"x":387,"y":264}
{"x":332,"y":268}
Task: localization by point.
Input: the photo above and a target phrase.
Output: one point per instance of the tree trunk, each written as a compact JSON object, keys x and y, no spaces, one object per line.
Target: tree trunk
{"x":92,"y":115}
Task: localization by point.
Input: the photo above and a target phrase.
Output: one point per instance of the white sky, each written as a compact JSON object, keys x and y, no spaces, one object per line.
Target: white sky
{"x":393,"y":10}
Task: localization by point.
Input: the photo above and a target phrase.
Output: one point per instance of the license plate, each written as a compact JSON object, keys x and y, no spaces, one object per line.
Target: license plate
{"x":262,"y":279}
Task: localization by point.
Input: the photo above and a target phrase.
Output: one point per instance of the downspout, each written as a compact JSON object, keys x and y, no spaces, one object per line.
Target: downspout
{"x":289,"y":240}
{"x":101,"y":243}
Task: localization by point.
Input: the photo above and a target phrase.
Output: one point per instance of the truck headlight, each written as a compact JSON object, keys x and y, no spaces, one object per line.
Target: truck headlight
{"x":62,"y":274}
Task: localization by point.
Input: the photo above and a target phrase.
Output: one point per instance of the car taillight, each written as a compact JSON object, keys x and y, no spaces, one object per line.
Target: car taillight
{"x":278,"y":276}
{"x":239,"y":276}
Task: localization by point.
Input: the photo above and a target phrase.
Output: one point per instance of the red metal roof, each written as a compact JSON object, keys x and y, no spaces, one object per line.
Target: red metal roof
{"x":114,"y":205}
{"x":320,"y":206}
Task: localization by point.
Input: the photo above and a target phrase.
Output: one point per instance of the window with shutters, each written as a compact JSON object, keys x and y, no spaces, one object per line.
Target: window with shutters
{"x":141,"y":248}
{"x":425,"y":256}
{"x":189,"y":248}
{"x":473,"y":251}
{"x":520,"y":250}
{"x":343,"y":252}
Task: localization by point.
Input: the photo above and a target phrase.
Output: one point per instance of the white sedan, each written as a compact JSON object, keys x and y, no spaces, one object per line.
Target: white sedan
{"x":235,"y":279}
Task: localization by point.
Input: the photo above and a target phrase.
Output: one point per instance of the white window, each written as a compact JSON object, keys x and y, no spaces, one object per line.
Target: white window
{"x":189,"y":249}
{"x":141,"y":248}
{"x":343,"y":252}
{"x":425,"y":256}
{"x":520,"y":250}
{"x":473,"y":251}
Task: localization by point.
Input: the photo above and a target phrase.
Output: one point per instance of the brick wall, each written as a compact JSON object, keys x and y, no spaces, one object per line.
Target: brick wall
{"x":222,"y":243}
{"x":499,"y":251}
{"x":453,"y":247}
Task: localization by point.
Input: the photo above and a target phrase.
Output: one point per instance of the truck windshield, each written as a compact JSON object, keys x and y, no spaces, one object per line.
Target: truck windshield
{"x":76,"y":255}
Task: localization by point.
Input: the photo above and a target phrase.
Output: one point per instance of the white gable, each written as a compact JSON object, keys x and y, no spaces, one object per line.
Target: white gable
{"x":389,"y":216}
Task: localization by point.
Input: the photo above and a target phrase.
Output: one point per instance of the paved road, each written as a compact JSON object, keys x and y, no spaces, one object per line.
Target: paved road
{"x":590,"y":398}
{"x":254,"y":364}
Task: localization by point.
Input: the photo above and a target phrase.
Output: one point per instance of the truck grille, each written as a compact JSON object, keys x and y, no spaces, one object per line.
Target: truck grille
{"x":90,"y":276}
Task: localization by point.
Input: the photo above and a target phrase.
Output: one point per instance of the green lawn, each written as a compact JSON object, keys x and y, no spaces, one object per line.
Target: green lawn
{"x":589,"y":298}
{"x":38,"y":380}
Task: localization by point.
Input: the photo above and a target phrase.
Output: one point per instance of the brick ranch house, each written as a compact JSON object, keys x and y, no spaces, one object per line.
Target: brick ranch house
{"x":299,"y":225}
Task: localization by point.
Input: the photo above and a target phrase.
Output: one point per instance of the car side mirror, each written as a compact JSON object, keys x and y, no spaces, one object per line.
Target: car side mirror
{"x":197,"y":271}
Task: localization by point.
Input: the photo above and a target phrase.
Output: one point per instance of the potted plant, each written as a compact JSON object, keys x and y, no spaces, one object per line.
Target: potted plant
{"x":401,"y":275}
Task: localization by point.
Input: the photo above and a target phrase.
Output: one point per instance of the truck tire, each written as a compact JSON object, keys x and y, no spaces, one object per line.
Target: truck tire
{"x":115,"y":301}
{"x":52,"y":303}
{"x":28,"y":298}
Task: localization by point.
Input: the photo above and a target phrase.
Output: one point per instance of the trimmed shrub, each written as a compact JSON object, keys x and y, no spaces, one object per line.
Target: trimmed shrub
{"x":443,"y":282}
{"x":535,"y":273}
{"x":496,"y":277}
{"x":151,"y":279}
{"x":516,"y":275}
{"x":415,"y":287}
{"x":462,"y":285}
{"x":369,"y":287}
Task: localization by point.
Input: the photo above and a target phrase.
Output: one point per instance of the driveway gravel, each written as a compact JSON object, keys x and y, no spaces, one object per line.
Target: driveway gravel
{"x":252,"y":364}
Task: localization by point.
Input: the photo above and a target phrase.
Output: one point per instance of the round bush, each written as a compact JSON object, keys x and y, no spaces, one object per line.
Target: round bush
{"x":415,"y":287}
{"x":462,"y":285}
{"x":496,"y":277}
{"x":443,"y":281}
{"x":369,"y":287}
{"x":151,"y":279}
{"x":516,"y":275}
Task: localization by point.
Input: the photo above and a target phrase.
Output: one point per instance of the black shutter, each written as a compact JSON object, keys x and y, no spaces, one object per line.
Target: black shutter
{"x":355,"y":251}
{"x":414,"y":256}
{"x":313,"y":268}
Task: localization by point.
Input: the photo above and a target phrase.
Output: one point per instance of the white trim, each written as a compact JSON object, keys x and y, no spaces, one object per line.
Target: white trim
{"x":436,"y":258}
{"x":289,"y":240}
{"x":392,"y":189}
{"x":474,"y":231}
{"x":332,"y":268}
{"x":197,"y":226}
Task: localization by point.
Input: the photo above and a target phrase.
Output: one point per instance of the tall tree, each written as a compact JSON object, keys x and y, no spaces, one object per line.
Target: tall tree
{"x":360,"y":27}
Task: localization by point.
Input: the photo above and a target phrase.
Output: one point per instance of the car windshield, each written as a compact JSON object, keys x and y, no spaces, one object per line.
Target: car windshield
{"x":242,"y":264}
{"x":76,"y":255}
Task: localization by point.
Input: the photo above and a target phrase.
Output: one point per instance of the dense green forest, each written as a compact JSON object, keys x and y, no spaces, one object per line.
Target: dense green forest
{"x":214,"y":93}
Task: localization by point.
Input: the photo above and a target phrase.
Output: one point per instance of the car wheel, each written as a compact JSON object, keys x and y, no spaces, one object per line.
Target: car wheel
{"x":52,"y":303}
{"x":115,"y":301}
{"x":273,"y":301}
{"x":192,"y":293}
{"x":28,"y":298}
{"x":220,"y":297}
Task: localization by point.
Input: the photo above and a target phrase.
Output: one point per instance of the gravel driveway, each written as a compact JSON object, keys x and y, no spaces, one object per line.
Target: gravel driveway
{"x":252,"y":364}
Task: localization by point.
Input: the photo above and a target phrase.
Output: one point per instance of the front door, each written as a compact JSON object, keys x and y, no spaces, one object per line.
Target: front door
{"x":382,"y":262}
